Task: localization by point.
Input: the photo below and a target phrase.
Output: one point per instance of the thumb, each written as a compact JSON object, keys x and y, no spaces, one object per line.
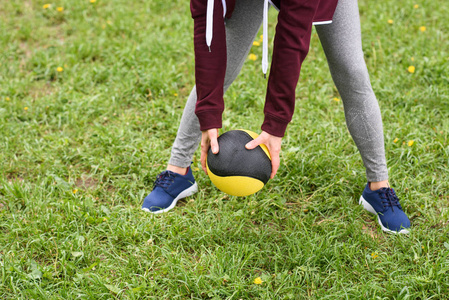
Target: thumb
{"x":253,"y":144}
{"x":214,"y":146}
{"x":213,"y":141}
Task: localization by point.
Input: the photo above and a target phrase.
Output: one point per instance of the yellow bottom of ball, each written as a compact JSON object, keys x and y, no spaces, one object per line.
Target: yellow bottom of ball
{"x":236,"y":185}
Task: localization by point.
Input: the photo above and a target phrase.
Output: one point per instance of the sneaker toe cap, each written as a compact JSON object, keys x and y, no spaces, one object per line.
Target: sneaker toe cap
{"x":157,"y":200}
{"x":396,"y":221}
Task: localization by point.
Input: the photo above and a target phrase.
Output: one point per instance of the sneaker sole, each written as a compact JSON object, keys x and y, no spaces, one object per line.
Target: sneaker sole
{"x":186,"y":193}
{"x":371,"y":209}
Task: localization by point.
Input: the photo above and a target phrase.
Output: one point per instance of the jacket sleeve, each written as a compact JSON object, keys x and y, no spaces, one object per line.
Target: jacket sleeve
{"x":210,"y":64}
{"x":291,"y":45}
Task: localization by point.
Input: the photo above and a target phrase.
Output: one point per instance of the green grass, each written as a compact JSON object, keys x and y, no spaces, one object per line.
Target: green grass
{"x":79,"y":149}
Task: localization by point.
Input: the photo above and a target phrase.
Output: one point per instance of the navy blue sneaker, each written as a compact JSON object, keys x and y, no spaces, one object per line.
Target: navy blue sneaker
{"x":385,"y":204}
{"x":168,"y":188}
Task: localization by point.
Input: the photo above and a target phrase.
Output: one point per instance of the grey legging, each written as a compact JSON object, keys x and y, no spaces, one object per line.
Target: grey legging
{"x":342,"y":45}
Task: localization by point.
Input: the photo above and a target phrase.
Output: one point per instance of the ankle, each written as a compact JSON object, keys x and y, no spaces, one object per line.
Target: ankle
{"x":179,"y":170}
{"x":375,"y":185}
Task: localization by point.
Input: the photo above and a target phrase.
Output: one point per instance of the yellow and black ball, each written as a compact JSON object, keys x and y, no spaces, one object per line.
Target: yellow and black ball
{"x":236,"y":170}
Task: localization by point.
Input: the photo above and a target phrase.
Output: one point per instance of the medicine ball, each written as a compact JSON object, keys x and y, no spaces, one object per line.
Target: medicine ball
{"x":236,"y":170}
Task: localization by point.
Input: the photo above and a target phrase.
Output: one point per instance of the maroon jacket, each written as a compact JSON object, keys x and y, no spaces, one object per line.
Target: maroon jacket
{"x":291,"y":45}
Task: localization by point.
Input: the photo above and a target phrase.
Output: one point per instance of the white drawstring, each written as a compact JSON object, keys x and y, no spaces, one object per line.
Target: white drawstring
{"x":209,"y":22}
{"x":264,"y":39}
{"x":209,"y":30}
{"x":223,"y":2}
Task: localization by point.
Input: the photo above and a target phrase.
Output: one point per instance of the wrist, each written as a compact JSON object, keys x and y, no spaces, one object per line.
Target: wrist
{"x":209,"y":119}
{"x":274,"y":126}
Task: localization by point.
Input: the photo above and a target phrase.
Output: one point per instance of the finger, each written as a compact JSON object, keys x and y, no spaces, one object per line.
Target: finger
{"x":275,"y":162}
{"x":203,"y":161}
{"x":205,"y":144}
{"x":204,"y":150}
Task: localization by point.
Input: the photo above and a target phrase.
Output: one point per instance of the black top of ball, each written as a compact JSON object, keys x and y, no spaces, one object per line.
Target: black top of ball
{"x":233,"y":159}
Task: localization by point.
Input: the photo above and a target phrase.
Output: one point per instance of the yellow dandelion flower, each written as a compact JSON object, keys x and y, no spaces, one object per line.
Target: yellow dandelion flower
{"x":415,"y":6}
{"x":60,"y":9}
{"x":256,"y":43}
{"x":395,"y":140}
{"x":374,"y":255}
{"x":59,"y":69}
{"x":422,"y":28}
{"x":258,"y":280}
{"x":175,"y":94}
{"x":75,"y":191}
{"x":7,"y":99}
{"x":412,"y":58}
{"x":410,"y":143}
{"x":46,"y":6}
{"x":252,"y":57}
{"x":93,"y":1}
{"x":336,"y":99}
{"x":390,"y":21}
{"x":25,"y":108}
{"x":411,"y":69}
{"x":103,"y":26}
{"x":261,"y":37}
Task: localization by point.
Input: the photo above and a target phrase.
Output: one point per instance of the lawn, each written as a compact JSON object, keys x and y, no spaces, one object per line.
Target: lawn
{"x":91,"y":95}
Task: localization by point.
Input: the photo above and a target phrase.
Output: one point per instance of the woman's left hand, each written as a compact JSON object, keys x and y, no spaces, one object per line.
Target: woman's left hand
{"x":273,"y":144}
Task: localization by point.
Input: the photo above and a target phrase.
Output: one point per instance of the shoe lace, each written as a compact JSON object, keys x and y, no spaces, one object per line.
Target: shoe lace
{"x":389,"y":198}
{"x":165,"y":179}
